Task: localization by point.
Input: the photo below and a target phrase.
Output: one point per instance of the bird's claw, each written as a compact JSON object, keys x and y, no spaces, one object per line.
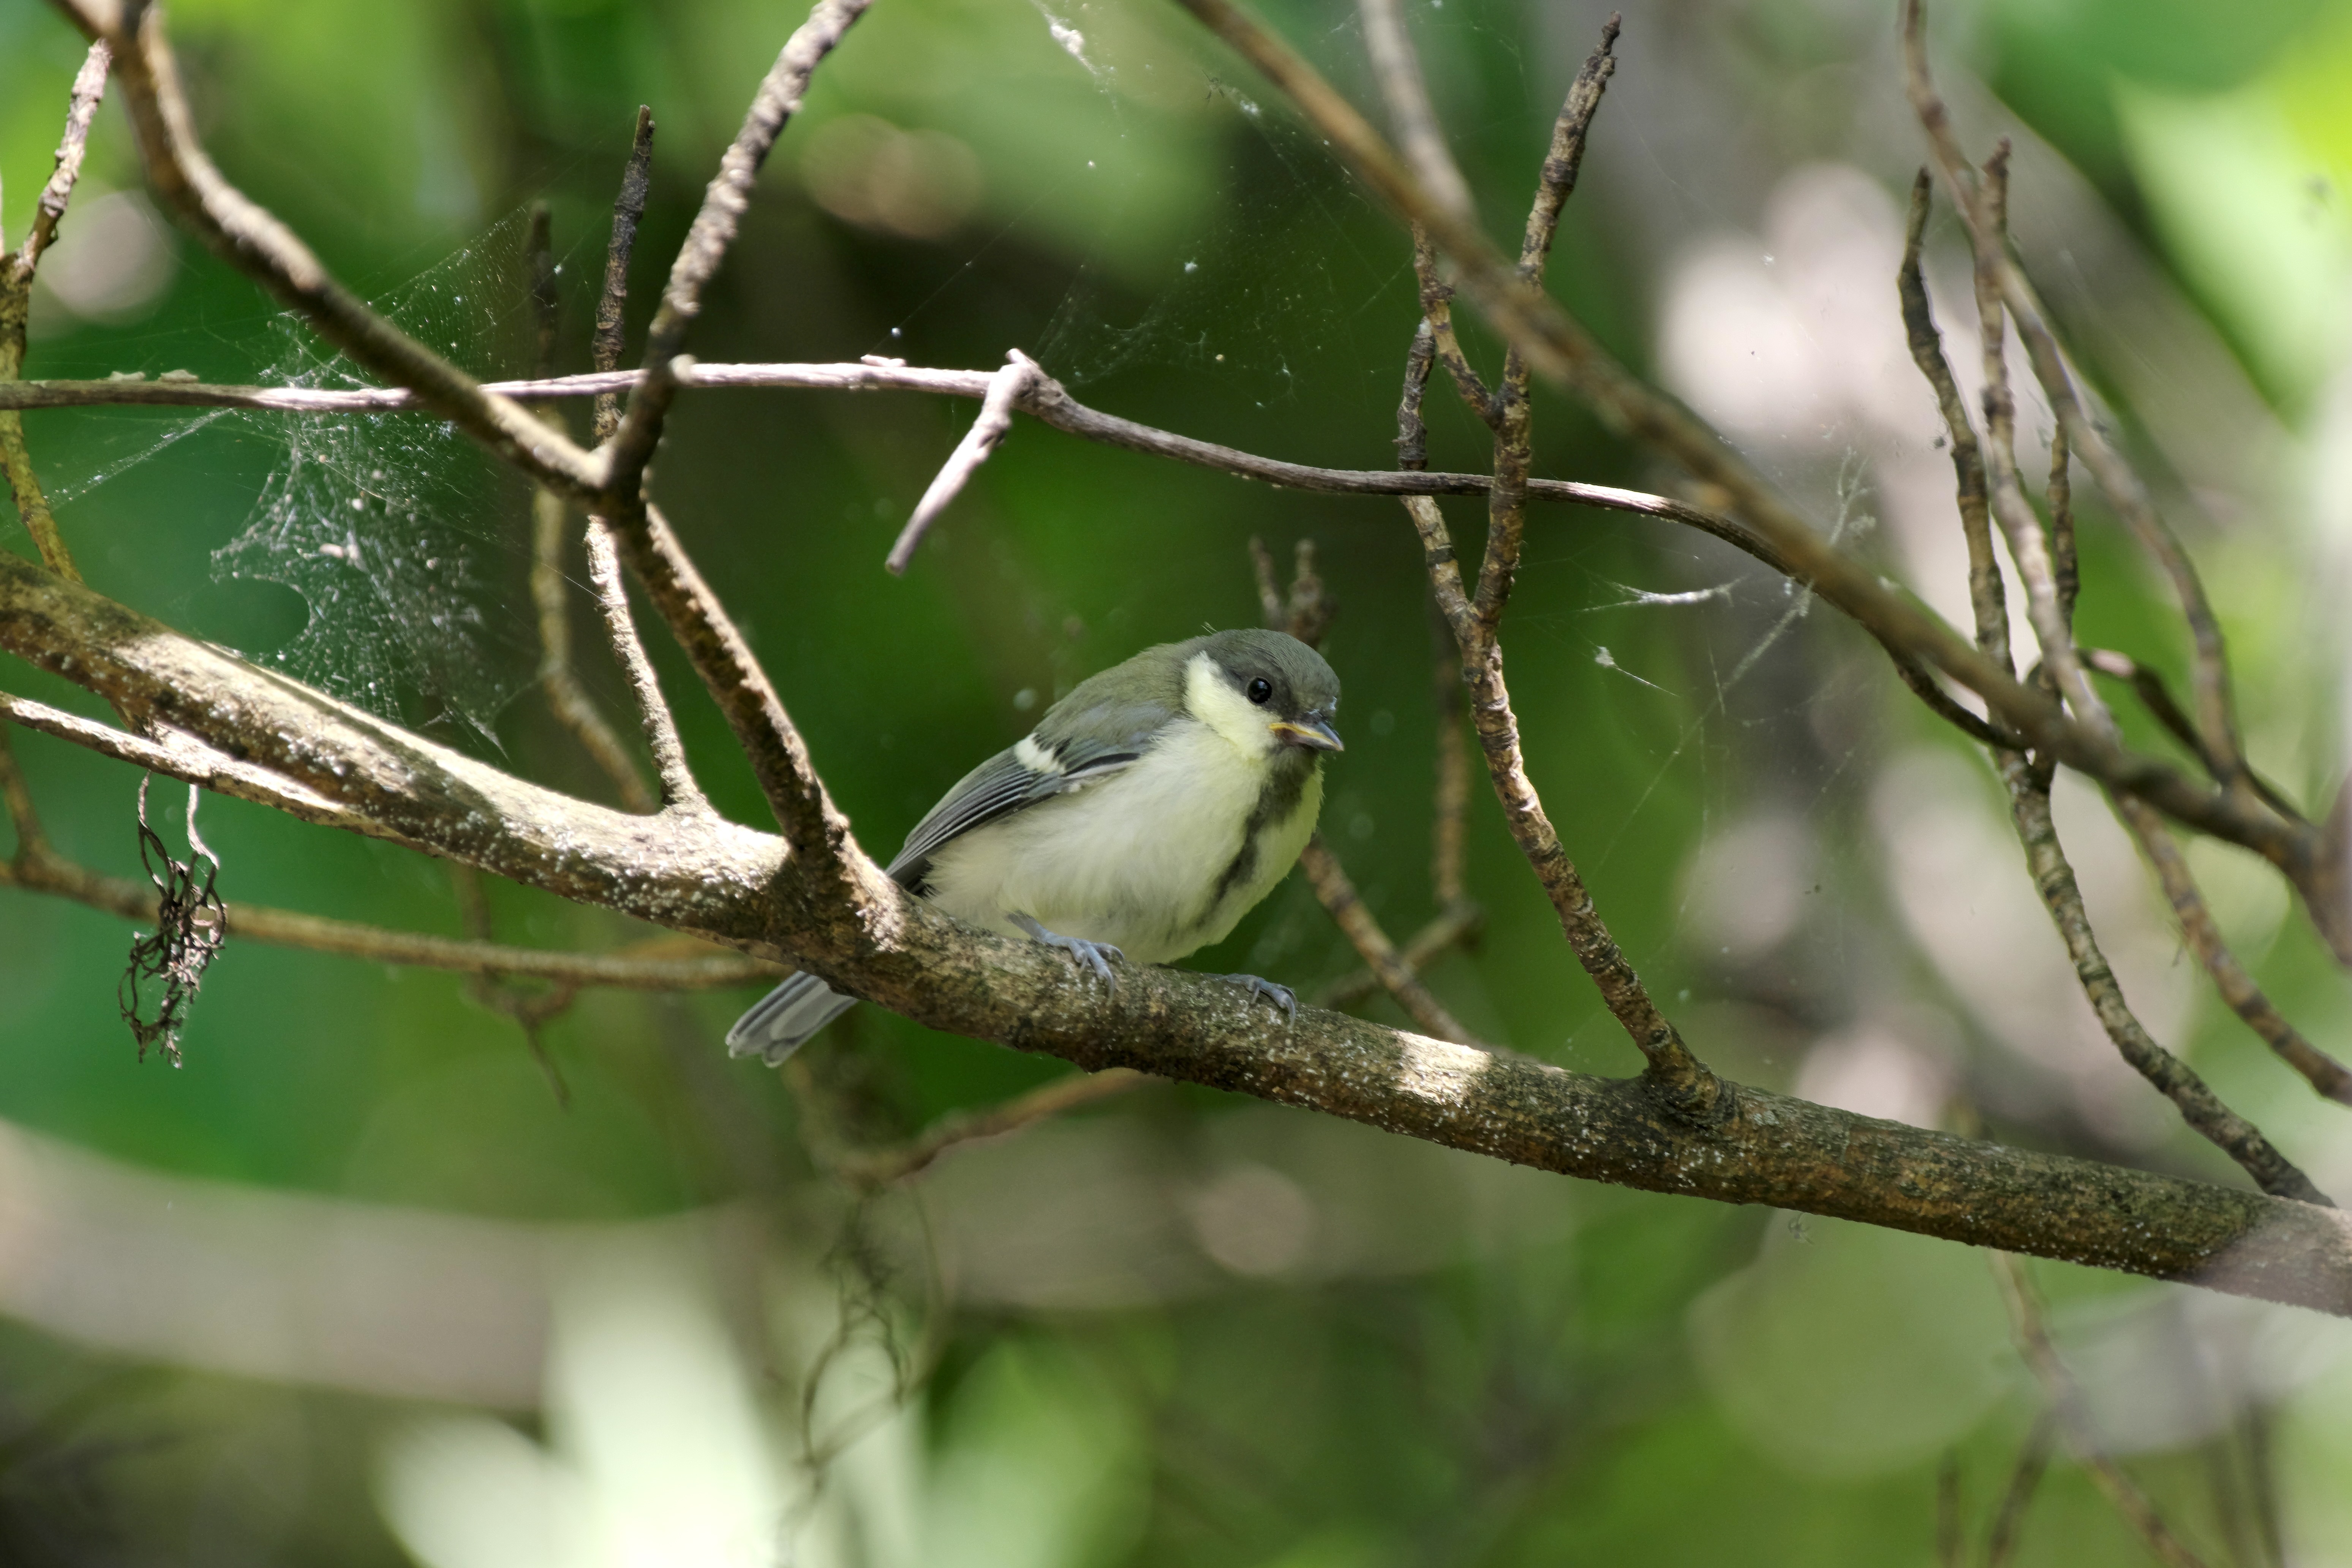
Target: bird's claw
{"x":1095,"y":955}
{"x":1282,"y":996}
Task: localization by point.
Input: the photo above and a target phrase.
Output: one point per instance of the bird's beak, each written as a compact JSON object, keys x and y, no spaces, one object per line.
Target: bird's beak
{"x":1312,"y":730}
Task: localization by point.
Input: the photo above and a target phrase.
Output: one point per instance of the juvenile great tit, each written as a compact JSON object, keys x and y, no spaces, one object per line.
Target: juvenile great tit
{"x":1148,"y":811}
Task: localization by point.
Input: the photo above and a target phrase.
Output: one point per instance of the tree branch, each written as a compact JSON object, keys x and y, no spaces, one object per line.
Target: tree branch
{"x":2027,"y":784}
{"x":17,"y":272}
{"x":43,"y":871}
{"x":716,"y":880}
{"x":1005,"y":391}
{"x":1563,"y":352}
{"x":573,"y":708}
{"x":2330,"y":1077}
{"x":1988,"y":235}
{"x":250,"y":238}
{"x":1340,"y":898}
{"x":2073,"y":1417}
{"x":875,"y":1168}
{"x":630,"y":448}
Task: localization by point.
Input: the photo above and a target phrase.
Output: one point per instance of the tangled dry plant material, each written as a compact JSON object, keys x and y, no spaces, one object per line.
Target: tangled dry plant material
{"x":809,"y":895}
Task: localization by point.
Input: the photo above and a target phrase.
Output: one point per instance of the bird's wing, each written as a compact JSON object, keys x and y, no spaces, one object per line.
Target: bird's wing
{"x":1068,"y":751}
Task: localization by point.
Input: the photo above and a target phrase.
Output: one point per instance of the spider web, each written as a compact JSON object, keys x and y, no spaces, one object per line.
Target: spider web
{"x":408,"y":543}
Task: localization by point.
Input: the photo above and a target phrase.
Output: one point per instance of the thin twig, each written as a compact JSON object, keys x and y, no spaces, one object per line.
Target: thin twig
{"x":881,"y":1167}
{"x":1564,"y":351}
{"x":678,"y":790}
{"x":1684,"y":1082}
{"x":2329,"y":1077}
{"x":1338,"y":897}
{"x":46,"y":872}
{"x":250,"y":238}
{"x":1986,"y":594}
{"x":2028,"y":785}
{"x":2027,"y":780}
{"x":2073,"y":1417}
{"x":742,"y":887}
{"x":2148,"y":686}
{"x":1450,"y":802}
{"x":1445,"y":342}
{"x":630,"y":448}
{"x":17,"y":796}
{"x":611,"y":301}
{"x":813,"y":825}
{"x":1457,"y":924}
{"x":573,"y":708}
{"x":1988,"y":233}
{"x":531,"y":1010}
{"x":17,"y":272}
{"x":1004,"y":392}
{"x":1396,"y":66}
{"x":2024,"y":1480}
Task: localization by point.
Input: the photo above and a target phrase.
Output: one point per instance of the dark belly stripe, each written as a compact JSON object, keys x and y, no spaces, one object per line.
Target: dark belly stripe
{"x":1286,"y":782}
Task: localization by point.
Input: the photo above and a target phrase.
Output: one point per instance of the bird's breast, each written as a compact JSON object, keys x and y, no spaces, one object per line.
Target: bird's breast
{"x":1163,"y":857}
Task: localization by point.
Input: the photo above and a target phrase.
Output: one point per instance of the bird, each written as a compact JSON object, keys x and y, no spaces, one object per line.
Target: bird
{"x":1148,"y":811}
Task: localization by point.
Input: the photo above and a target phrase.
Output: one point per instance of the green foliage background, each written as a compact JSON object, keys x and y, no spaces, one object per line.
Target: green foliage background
{"x":1592,"y":1376}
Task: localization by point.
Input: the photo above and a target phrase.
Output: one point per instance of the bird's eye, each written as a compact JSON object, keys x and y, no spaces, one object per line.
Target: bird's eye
{"x":1260,"y":689}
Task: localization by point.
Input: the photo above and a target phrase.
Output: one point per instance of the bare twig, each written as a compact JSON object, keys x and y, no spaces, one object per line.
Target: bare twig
{"x":2027,"y":784}
{"x":631,"y":447}
{"x":17,"y":272}
{"x":813,"y":825}
{"x":1564,"y":351}
{"x":1450,"y":803}
{"x":1986,"y":594}
{"x":1445,"y":344}
{"x":1987,"y":232}
{"x":44,"y":871}
{"x":250,"y":239}
{"x":2024,"y":1480}
{"x":1396,"y":66}
{"x":531,"y":1010}
{"x":881,"y":1167}
{"x":573,"y":708}
{"x":2073,"y":1417}
{"x":2329,"y":1077}
{"x":611,"y":301}
{"x":1457,"y":924}
{"x":2148,"y":686}
{"x":2028,"y":781}
{"x":1684,"y":1082}
{"x":17,"y":796}
{"x":678,"y":790}
{"x":1004,"y":392}
{"x":1340,"y":899}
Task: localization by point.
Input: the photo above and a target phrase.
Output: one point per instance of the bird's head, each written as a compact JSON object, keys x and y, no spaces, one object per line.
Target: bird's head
{"x":1264,"y":691}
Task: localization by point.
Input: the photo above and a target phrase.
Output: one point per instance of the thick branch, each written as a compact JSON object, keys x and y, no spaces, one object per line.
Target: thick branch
{"x":714,"y":879}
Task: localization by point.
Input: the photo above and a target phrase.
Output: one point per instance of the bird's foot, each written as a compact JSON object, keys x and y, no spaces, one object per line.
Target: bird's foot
{"x":1281,"y":996}
{"x":1095,"y":955}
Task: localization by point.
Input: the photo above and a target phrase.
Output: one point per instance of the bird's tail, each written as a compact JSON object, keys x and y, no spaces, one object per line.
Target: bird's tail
{"x":785,"y":1018}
